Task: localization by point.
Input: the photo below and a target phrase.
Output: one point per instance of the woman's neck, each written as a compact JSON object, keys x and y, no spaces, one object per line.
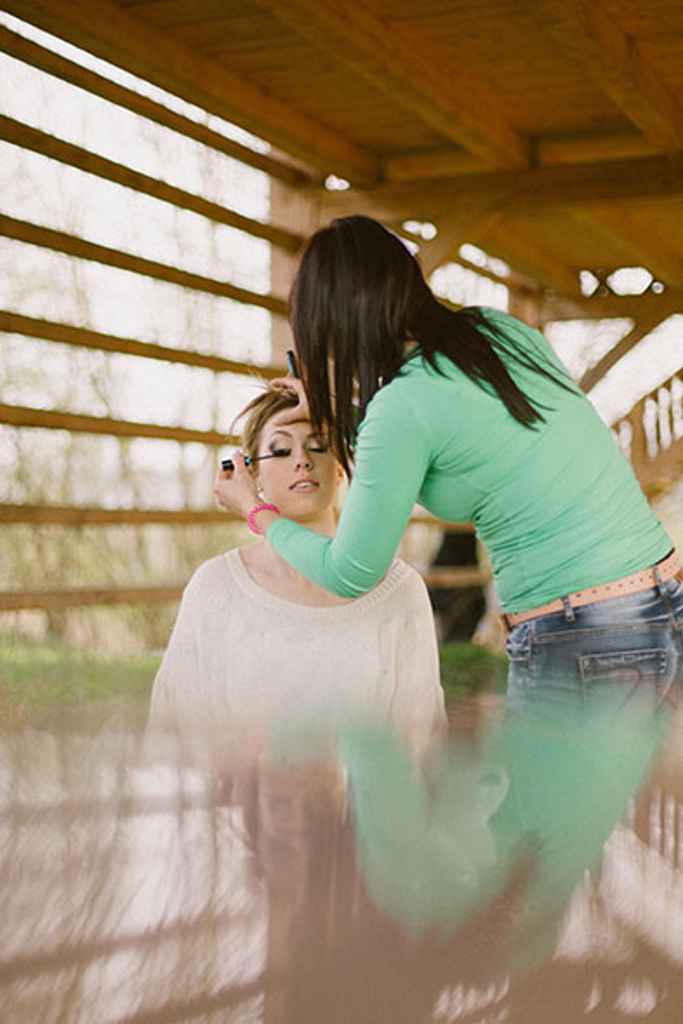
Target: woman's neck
{"x":324,"y":524}
{"x":276,"y":575}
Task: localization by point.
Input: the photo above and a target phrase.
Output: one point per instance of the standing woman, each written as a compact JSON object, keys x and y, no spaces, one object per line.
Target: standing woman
{"x":471,"y":414}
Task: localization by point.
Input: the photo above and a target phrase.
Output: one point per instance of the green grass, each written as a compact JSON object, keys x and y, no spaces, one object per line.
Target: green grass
{"x":43,"y":673}
{"x":38,"y":674}
{"x":466,"y":669}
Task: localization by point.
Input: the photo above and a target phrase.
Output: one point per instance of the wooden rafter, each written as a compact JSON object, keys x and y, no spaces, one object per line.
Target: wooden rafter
{"x":521,"y":248}
{"x":79,"y":597}
{"x":25,"y":137}
{"x":76,"y":515}
{"x":617,"y":224}
{"x":103,"y":29}
{"x":81,"y":337}
{"x":445,"y":162}
{"x":528,"y":191}
{"x":70,"y":245}
{"x":449,"y":103}
{"x":590,"y":34}
{"x":589,"y":147}
{"x":559,"y":307}
{"x":640,"y":330}
{"x":54,"y":64}
{"x":467,"y":222}
{"x":24,"y":416}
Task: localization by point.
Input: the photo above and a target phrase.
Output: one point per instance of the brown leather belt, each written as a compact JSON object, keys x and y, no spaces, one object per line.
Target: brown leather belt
{"x":665,"y":570}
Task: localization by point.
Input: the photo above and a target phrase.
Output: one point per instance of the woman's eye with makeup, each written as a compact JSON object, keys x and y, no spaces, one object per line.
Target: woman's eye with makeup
{"x":318,"y":446}
{"x":281,"y":453}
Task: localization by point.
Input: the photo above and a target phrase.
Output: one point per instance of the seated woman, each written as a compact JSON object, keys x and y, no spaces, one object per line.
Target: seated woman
{"x":256,"y":644}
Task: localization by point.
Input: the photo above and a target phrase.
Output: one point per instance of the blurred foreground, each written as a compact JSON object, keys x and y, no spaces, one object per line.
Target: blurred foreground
{"x":528,"y":869}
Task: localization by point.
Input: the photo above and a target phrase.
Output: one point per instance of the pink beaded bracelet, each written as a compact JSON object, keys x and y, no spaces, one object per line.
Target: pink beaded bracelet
{"x":253,"y":512}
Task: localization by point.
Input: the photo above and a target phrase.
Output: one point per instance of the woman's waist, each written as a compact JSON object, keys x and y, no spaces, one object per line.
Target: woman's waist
{"x":527,"y":577}
{"x":631,"y":597}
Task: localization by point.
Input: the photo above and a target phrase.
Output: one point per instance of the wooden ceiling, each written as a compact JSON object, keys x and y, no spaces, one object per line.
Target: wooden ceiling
{"x":548,"y":131}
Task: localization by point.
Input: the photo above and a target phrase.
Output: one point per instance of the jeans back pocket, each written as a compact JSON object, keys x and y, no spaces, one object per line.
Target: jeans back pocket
{"x":650,"y":665}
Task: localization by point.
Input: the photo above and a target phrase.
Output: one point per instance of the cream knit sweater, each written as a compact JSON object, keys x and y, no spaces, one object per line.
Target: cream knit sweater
{"x":241,"y":658}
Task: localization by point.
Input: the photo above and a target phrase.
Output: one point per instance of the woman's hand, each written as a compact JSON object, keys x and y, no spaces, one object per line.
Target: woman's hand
{"x":298,"y":412}
{"x":235,"y":490}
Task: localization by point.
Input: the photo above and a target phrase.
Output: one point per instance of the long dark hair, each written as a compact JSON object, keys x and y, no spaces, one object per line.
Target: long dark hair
{"x":358,"y":296}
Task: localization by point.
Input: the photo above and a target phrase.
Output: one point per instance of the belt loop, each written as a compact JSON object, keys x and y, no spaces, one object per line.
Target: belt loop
{"x":568,"y":610}
{"x":661,"y":590}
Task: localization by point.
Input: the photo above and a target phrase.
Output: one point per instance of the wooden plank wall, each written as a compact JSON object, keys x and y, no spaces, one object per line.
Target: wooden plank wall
{"x":295,"y":211}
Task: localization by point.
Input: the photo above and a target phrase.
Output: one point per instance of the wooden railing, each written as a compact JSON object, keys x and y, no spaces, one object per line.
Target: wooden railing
{"x":168,"y":593}
{"x":651,"y":436}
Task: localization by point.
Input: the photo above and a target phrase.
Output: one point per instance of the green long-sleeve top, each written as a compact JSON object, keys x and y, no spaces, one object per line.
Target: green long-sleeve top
{"x":557,"y":506}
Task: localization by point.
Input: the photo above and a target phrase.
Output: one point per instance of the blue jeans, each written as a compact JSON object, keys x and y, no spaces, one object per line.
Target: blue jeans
{"x":627,"y":645}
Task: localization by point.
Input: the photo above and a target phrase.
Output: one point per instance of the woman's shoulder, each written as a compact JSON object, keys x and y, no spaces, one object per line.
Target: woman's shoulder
{"x":210,"y":576}
{"x":406,"y":583}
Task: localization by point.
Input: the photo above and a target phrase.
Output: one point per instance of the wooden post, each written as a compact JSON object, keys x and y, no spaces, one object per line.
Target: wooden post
{"x":526,"y":304}
{"x":296,"y":211}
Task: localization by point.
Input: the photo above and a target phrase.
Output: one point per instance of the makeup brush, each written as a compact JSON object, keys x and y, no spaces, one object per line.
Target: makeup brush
{"x":229,"y":464}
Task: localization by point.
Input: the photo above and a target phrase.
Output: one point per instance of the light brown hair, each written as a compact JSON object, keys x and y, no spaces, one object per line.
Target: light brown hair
{"x":273,"y":399}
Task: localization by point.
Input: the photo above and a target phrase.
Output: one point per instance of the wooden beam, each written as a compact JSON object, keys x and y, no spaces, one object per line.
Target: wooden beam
{"x":462,"y":576}
{"x":23,"y":416}
{"x":53,"y":64}
{"x":590,"y":34}
{"x":540,"y":267}
{"x":526,"y":306}
{"x":526,"y":192}
{"x":640,"y":243}
{"x":422,"y":83}
{"x":22,"y":135}
{"x":639,"y":331}
{"x":445,"y":162}
{"x":452,"y":161}
{"x":464,"y":221}
{"x":105,"y":30}
{"x":441,"y":524}
{"x":73,"y":515}
{"x":57,"y":816}
{"x":76,"y":515}
{"x":81,"y":337}
{"x":59,"y":241}
{"x":644,"y":326}
{"x":560,"y":307}
{"x":591,"y":147}
{"x":80,"y":597}
{"x":515,"y":281}
{"x":519,"y":247}
{"x":297,"y":211}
